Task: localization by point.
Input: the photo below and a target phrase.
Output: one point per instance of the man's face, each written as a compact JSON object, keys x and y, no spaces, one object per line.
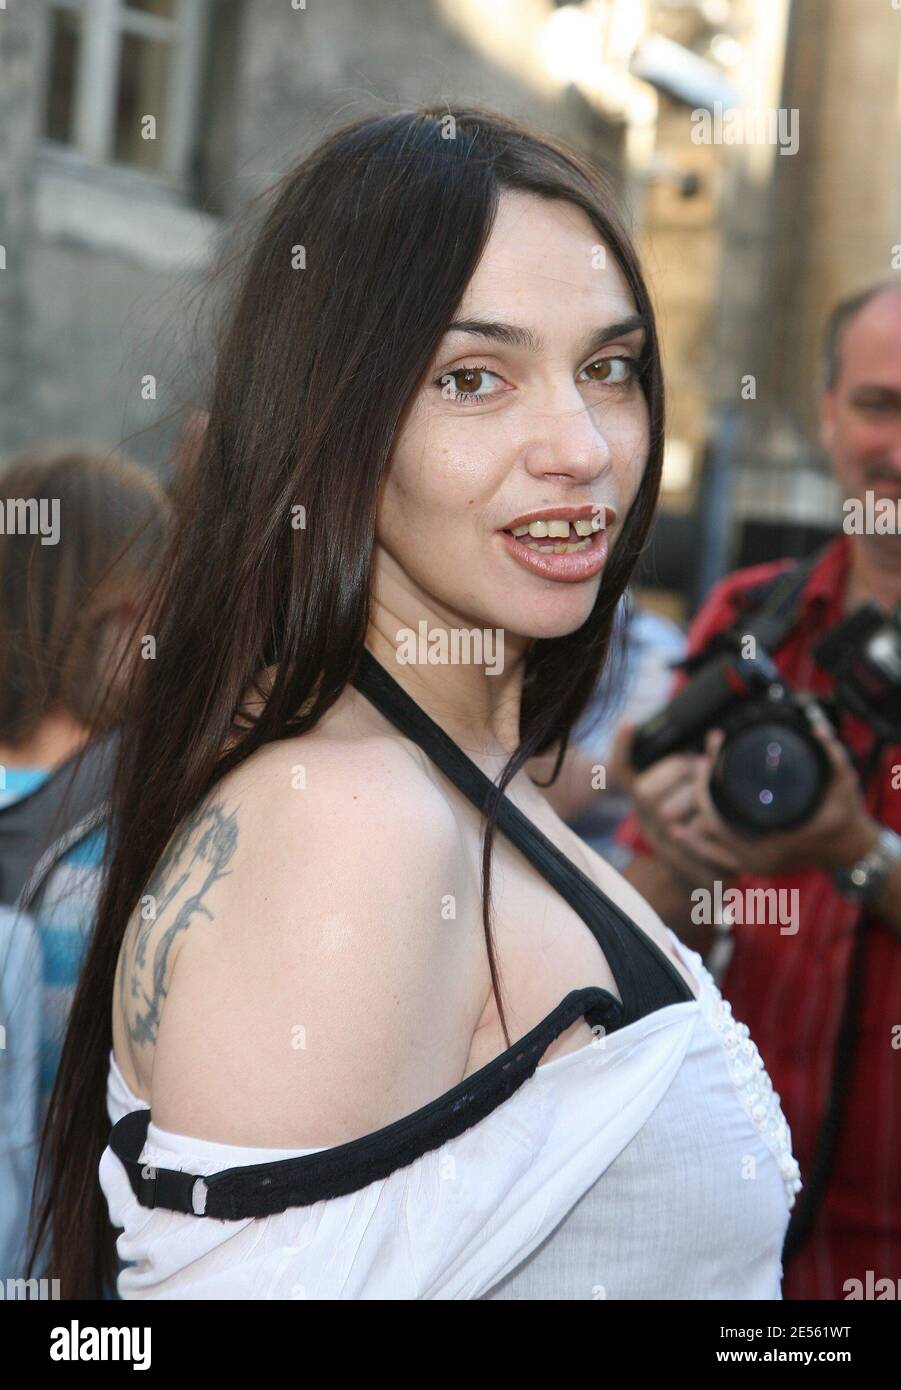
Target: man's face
{"x":861,"y":413}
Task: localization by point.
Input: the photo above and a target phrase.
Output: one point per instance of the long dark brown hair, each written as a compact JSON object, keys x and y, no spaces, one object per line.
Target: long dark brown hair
{"x":364,"y":252}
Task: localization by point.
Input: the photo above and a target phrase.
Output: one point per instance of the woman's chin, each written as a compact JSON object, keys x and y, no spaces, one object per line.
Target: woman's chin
{"x":554,"y":617}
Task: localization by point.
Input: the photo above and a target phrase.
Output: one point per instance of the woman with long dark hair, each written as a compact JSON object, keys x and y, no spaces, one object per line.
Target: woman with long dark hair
{"x":369,"y":1020}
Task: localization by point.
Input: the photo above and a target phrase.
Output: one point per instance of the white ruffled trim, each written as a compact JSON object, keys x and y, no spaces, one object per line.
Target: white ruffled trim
{"x":751,"y":1081}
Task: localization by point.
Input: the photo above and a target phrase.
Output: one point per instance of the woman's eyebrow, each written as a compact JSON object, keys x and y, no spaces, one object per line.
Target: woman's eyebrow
{"x":512,"y":335}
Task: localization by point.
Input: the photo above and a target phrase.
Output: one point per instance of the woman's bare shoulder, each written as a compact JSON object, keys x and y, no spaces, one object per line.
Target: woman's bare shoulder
{"x":324,"y":982}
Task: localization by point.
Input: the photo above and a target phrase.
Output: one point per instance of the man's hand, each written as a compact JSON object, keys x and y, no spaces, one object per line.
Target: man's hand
{"x":668,"y":804}
{"x":841,"y":832}
{"x":666,"y":797}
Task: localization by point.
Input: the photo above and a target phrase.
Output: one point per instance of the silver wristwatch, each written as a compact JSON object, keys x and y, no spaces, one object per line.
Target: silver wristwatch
{"x":863,"y":881}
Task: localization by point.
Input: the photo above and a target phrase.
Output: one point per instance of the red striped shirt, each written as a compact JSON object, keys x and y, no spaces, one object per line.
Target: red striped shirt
{"x":790,"y":989}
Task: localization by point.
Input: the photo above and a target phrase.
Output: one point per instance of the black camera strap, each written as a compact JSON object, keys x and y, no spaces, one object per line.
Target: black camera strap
{"x":768,"y":612}
{"x":775,"y":618}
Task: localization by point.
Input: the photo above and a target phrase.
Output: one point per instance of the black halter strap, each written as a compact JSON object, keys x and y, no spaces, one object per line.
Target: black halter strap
{"x":644,"y":976}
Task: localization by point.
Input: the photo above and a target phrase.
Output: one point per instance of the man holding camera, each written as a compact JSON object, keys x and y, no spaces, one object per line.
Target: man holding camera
{"x":822,"y":998}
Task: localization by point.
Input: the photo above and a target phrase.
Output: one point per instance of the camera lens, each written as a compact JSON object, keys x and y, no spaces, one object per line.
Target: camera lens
{"x":768,"y":776}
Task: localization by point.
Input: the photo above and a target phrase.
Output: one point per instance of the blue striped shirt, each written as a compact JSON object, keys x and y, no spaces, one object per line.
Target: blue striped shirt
{"x":43,"y":954}
{"x":66,"y":915}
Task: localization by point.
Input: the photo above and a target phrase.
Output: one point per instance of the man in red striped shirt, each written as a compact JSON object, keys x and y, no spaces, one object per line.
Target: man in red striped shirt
{"x":789,"y":986}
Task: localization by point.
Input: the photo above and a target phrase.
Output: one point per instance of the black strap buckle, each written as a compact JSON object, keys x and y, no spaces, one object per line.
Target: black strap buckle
{"x":166,"y":1188}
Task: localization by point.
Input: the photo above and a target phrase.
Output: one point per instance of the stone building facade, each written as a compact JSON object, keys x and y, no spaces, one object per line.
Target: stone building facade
{"x":106,"y":264}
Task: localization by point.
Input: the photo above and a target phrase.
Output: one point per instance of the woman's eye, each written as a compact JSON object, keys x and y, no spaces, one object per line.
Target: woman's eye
{"x":469,"y":385}
{"x":611,"y":371}
{"x":466,"y":383}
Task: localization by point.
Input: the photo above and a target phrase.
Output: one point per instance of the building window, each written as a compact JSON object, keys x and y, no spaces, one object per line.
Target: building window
{"x":112,"y":64}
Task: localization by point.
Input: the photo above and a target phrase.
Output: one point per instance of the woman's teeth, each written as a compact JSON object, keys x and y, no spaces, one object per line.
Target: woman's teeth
{"x":559,"y":532}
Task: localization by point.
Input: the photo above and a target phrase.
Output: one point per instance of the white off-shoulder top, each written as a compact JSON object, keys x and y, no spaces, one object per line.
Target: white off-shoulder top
{"x":654,"y":1162}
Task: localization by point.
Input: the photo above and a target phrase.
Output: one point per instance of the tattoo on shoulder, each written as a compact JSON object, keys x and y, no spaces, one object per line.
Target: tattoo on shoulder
{"x":197,"y":856}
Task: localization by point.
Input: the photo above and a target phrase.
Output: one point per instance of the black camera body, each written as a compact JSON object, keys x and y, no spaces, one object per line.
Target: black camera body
{"x":864,"y":655}
{"x":771,"y":771}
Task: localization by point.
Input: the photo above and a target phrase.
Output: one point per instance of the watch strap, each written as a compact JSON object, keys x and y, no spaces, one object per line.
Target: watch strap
{"x":864,"y":880}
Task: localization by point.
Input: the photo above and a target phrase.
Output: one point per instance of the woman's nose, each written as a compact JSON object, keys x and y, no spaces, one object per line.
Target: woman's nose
{"x":567,"y":441}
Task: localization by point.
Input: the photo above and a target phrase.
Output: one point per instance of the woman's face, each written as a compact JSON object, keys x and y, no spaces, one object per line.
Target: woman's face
{"x":530,"y":413}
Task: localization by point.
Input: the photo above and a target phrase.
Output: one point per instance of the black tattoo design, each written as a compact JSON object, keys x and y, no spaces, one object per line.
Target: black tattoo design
{"x":207,"y":838}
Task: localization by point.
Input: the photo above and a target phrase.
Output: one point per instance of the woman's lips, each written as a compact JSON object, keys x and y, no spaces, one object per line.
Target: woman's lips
{"x":568,"y":569}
